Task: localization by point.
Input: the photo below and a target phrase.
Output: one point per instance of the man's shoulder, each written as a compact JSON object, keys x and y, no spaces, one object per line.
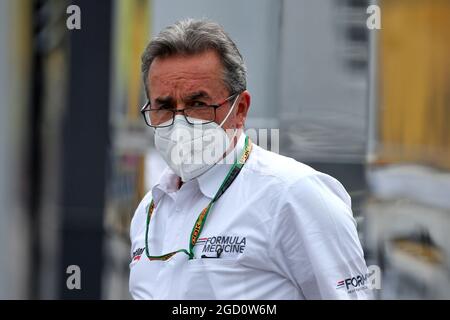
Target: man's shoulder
{"x":284,"y":174}
{"x":272,"y":165}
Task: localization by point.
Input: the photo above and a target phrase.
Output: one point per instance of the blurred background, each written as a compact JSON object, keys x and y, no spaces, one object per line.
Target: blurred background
{"x":370,"y":107}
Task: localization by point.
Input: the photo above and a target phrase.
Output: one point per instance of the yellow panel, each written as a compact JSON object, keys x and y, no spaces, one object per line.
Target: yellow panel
{"x":415,"y":81}
{"x":133,"y":33}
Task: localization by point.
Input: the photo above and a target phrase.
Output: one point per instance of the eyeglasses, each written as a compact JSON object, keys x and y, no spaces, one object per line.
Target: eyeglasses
{"x":195,"y":113}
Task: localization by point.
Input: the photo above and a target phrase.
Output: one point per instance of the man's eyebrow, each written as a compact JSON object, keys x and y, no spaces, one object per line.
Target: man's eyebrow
{"x":164,"y":100}
{"x":189,"y":97}
{"x":197,"y":95}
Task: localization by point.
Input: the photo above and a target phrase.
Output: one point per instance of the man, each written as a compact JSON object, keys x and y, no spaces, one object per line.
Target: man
{"x":238,"y":222}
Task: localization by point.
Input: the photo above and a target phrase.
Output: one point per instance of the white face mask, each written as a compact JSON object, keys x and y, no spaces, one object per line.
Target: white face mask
{"x":191,"y":150}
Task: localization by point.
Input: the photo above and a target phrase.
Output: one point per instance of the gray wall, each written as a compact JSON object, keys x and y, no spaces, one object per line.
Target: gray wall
{"x":324,"y":107}
{"x":13,"y":226}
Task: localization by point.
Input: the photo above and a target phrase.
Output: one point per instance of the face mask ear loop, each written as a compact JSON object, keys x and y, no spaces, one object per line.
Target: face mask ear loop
{"x":229,"y":112}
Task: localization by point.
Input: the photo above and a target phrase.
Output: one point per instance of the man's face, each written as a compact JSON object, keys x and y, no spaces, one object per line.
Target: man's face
{"x":183,"y":80}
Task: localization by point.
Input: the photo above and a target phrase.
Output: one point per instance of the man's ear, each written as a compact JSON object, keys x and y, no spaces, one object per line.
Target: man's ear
{"x":242,"y":108}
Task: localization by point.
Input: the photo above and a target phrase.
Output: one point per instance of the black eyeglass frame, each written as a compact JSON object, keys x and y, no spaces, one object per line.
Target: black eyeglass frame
{"x":147,"y":108}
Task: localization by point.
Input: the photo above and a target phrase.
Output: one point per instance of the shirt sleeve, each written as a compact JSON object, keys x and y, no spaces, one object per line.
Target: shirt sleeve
{"x":315,"y":242}
{"x":137,"y":224}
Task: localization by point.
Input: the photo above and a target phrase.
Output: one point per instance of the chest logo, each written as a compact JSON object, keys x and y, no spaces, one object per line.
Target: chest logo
{"x":225,"y":244}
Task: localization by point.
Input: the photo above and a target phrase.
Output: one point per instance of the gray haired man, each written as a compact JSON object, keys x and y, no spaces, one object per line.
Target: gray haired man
{"x":228,"y":219}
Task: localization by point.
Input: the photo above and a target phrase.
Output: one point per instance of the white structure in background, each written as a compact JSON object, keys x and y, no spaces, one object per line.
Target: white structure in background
{"x":411,"y":203}
{"x":324,"y":83}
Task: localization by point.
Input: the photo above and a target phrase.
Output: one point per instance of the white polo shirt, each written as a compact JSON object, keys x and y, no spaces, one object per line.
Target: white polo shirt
{"x":286,"y":232}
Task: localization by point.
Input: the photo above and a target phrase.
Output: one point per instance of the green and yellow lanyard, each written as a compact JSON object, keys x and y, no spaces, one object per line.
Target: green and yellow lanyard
{"x":198,"y":226}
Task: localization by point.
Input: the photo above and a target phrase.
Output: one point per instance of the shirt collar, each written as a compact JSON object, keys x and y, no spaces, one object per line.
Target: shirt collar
{"x":209,"y":182}
{"x":167,"y":184}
